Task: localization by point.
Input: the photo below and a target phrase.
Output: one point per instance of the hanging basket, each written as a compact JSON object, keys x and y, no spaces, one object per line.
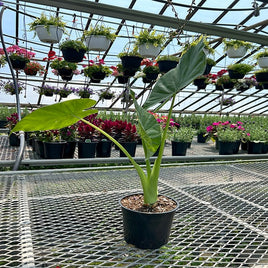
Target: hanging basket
{"x":72,"y":55}
{"x":235,"y":75}
{"x":166,"y":65}
{"x":97,"y":42}
{"x":52,"y":35}
{"x":122,"y":79}
{"x":130,"y":64}
{"x":262,"y":77}
{"x":263,"y":62}
{"x":149,"y":50}
{"x":30,"y":72}
{"x":208,"y":69}
{"x":236,"y":53}
{"x":200,"y":83}
{"x":98,"y":75}
{"x":18,"y":64}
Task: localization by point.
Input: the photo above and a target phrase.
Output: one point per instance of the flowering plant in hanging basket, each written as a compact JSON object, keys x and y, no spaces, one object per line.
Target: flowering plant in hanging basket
{"x":33,"y":67}
{"x":227,"y":101}
{"x":97,"y":70}
{"x":64,"y":91}
{"x":118,"y":72}
{"x":46,"y":90}
{"x":151,"y":69}
{"x":9,"y":87}
{"x":106,"y":94}
{"x":246,"y":83}
{"x":83,"y":92}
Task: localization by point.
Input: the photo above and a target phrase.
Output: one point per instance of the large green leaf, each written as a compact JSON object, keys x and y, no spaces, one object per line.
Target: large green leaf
{"x":56,"y":116}
{"x":191,"y":65}
{"x":149,"y":130}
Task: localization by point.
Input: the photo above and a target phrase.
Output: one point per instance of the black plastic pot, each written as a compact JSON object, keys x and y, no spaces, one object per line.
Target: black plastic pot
{"x":69,"y":149}
{"x":147,"y":230}
{"x":236,"y":147}
{"x":104,"y":148}
{"x":166,"y":65}
{"x":235,"y":75}
{"x":99,"y":75}
{"x":151,"y":76}
{"x":72,"y":55}
{"x":18,"y":64}
{"x":201,"y":138}
{"x":122,"y":79}
{"x":65,"y":71}
{"x":262,"y":77}
{"x":265,"y":148}
{"x":229,"y":85}
{"x":130,"y":147}
{"x":208,"y":69}
{"x":86,"y":149}
{"x":14,"y":140}
{"x":3,"y":123}
{"x":255,"y":147}
{"x":39,"y":146}
{"x":179,"y":148}
{"x":48,"y":94}
{"x":200,"y":83}
{"x":130,"y":64}
{"x":226,"y":148}
{"x":54,"y":150}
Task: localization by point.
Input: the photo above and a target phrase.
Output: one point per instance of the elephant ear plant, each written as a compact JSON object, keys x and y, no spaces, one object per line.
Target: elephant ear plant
{"x":57,"y":116}
{"x":67,"y":113}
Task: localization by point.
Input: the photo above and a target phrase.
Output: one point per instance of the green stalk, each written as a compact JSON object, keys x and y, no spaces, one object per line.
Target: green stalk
{"x":150,"y":193}
{"x":133,"y":162}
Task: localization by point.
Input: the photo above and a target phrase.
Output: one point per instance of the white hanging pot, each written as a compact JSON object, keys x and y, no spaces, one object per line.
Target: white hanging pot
{"x":97,"y":42}
{"x":263,"y":62}
{"x":236,"y":53}
{"x":52,"y":35}
{"x":149,"y":50}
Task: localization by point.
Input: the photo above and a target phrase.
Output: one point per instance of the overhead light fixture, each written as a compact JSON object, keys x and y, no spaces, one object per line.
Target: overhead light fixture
{"x":256,"y":11}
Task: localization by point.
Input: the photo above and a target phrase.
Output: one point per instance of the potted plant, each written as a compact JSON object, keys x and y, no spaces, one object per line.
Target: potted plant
{"x":33,"y":67}
{"x":64,"y":92}
{"x":64,"y":68}
{"x":239,"y":70}
{"x":97,"y":71}
{"x":4,"y":112}
{"x":262,"y":58}
{"x":131,"y":61}
{"x":149,"y":43}
{"x":18,"y":56}
{"x":227,"y":137}
{"x":9,"y":87}
{"x":140,"y":227}
{"x":227,"y":101}
{"x":225,"y":82}
{"x":98,"y":38}
{"x":245,"y":83}
{"x":256,"y":138}
{"x":236,"y":48}
{"x":13,"y":138}
{"x":73,"y":50}
{"x":119,"y":73}
{"x":262,"y":75}
{"x":48,"y":29}
{"x":180,"y":139}
{"x":167,"y":62}
{"x":46,"y":90}
{"x":201,"y":82}
{"x":106,"y":94}
{"x":202,"y":134}
{"x":210,"y":64}
{"x":69,"y":134}
{"x":151,"y":70}
{"x":84,"y":92}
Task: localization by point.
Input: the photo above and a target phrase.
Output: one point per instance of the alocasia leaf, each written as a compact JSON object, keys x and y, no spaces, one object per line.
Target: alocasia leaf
{"x":148,"y":128}
{"x":191,"y":65}
{"x":56,"y":116}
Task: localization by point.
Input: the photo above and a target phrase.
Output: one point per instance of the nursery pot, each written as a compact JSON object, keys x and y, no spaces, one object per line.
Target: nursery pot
{"x":200,"y":83}
{"x":226,"y":148}
{"x":39,"y":146}
{"x":98,"y":75}
{"x":69,"y":149}
{"x":208,"y":69}
{"x":18,"y":64}
{"x":104,"y":148}
{"x":130,"y":64}
{"x":97,"y":42}
{"x":265,"y":148}
{"x":54,"y":150}
{"x":86,"y":149}
{"x":179,"y":148}
{"x":147,"y":230}
{"x":53,"y":35}
{"x":262,"y":77}
{"x":14,"y":140}
{"x":122,"y":79}
{"x":236,"y":146}
{"x":263,"y":62}
{"x":30,"y":72}
{"x":166,"y":65}
{"x":255,"y":147}
{"x":228,"y":85}
{"x":3,"y":123}
{"x":201,"y":138}
{"x":151,"y":76}
{"x":130,"y":147}
{"x":235,"y":75}
{"x":72,"y":55}
{"x":236,"y":53}
{"x":84,"y":94}
{"x":149,"y":50}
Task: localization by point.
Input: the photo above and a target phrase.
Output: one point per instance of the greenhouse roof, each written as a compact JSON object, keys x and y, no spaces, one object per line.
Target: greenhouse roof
{"x":180,"y":21}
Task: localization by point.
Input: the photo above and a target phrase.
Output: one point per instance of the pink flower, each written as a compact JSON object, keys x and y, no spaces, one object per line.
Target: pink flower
{"x":209,"y":128}
{"x":248,"y":134}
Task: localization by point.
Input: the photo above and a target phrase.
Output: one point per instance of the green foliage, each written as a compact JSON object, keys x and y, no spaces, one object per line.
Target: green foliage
{"x":183,"y":134}
{"x":146,"y":37}
{"x":241,"y":68}
{"x":228,"y":135}
{"x":6,"y":111}
{"x":75,"y":44}
{"x":236,"y":44}
{"x":133,"y":52}
{"x":100,"y":30}
{"x":67,"y":113}
{"x":264,"y":70}
{"x":153,"y":69}
{"x":224,"y":80}
{"x":90,"y":70}
{"x":167,"y":57}
{"x":261,"y":54}
{"x":256,"y":133}
{"x":47,"y":21}
{"x":60,"y":64}
{"x":211,"y":62}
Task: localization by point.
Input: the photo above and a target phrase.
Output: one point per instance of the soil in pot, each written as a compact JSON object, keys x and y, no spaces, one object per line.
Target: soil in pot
{"x":147,"y":227}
